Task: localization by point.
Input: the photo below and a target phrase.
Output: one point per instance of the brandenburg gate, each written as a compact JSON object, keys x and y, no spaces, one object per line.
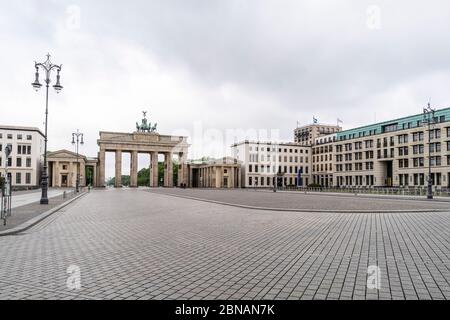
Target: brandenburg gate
{"x":144,"y":140}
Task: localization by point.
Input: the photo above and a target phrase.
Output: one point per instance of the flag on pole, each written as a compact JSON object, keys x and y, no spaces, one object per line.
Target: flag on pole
{"x":315,"y":120}
{"x":339,"y":121}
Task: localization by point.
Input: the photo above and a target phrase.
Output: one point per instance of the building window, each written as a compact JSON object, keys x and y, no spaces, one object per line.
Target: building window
{"x":9,"y":164}
{"x":28,"y":163}
{"x":18,"y":162}
{"x":19,"y":149}
{"x":18,"y":178}
{"x":19,"y":137}
{"x":27,"y":178}
{"x":28,"y":149}
{"x":9,"y":136}
{"x":29,"y":137}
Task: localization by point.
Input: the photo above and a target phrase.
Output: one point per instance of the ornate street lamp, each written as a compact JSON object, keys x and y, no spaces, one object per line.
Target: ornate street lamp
{"x":428,"y":118}
{"x":47,"y":67}
{"x":77,"y":135}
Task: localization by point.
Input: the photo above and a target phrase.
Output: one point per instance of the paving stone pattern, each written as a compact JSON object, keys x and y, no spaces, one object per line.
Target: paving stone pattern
{"x":134,"y":244}
{"x":290,"y":200}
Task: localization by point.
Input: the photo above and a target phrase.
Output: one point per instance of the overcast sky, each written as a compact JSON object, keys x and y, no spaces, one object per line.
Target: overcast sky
{"x":205,"y":68}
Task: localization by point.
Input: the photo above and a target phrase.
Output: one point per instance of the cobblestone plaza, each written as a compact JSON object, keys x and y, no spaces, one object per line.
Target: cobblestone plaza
{"x":147,"y":244}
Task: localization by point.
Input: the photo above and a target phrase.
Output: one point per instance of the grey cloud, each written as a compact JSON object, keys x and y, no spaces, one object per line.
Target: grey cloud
{"x":294,"y":59}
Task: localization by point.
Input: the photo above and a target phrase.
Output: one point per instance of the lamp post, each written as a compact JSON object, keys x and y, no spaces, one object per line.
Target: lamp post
{"x":47,"y":67}
{"x":428,"y":118}
{"x":6,"y":189}
{"x":79,"y":140}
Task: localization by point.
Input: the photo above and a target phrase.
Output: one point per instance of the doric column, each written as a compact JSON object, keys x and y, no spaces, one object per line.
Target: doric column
{"x":154,"y":170}
{"x":191,"y":176}
{"x":70,"y":180}
{"x":94,"y":176}
{"x":182,"y":174}
{"x":166,"y":167}
{"x":101,"y":168}
{"x":55,"y":174}
{"x":133,"y":169}
{"x":217,"y":177}
{"x":82,"y":173}
{"x":118,"y":171}
{"x":210,"y":185}
{"x":204,"y":177}
{"x":232,"y":176}
{"x":238,"y":170}
{"x":170,"y":169}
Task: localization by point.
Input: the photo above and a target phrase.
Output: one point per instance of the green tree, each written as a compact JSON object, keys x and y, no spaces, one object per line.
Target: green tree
{"x":143,"y":178}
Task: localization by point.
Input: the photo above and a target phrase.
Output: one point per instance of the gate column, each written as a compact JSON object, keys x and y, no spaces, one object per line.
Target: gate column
{"x":101,"y":168}
{"x":118,"y":170}
{"x":133,"y":169}
{"x":154,"y":169}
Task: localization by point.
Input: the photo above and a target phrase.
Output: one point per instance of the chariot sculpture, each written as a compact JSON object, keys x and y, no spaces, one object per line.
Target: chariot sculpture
{"x":144,"y":126}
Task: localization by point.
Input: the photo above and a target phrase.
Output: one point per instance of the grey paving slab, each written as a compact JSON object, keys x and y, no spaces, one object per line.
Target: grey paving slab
{"x":134,"y":244}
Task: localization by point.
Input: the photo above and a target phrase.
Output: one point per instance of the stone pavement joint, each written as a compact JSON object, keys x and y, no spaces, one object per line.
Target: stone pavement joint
{"x":133,"y":244}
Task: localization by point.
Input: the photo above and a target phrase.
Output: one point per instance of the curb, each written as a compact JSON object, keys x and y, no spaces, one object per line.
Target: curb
{"x":300,"y":210}
{"x":369,"y":196}
{"x":33,"y":221}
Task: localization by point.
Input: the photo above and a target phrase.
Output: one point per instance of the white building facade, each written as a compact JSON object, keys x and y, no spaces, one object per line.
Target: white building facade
{"x":322,"y":160}
{"x":24,"y":163}
{"x":262,"y":161}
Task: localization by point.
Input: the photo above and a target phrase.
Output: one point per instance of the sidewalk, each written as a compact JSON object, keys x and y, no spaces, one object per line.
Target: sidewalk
{"x":367,"y":195}
{"x":21,"y":198}
{"x":29,"y":211}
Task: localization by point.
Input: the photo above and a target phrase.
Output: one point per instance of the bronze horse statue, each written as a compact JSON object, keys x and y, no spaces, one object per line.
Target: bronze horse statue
{"x":145,"y":127}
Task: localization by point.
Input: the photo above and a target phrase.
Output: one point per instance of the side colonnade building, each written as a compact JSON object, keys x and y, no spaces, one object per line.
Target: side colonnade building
{"x":214,"y":173}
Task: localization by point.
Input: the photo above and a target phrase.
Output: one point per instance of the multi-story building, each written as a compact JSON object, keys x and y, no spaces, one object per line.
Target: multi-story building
{"x":262,"y":161}
{"x":306,"y":135}
{"x":394,"y":153}
{"x":322,"y":160}
{"x":24,"y":162}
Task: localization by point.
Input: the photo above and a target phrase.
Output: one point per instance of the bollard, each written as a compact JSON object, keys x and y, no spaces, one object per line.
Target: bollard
{"x":64,"y":194}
